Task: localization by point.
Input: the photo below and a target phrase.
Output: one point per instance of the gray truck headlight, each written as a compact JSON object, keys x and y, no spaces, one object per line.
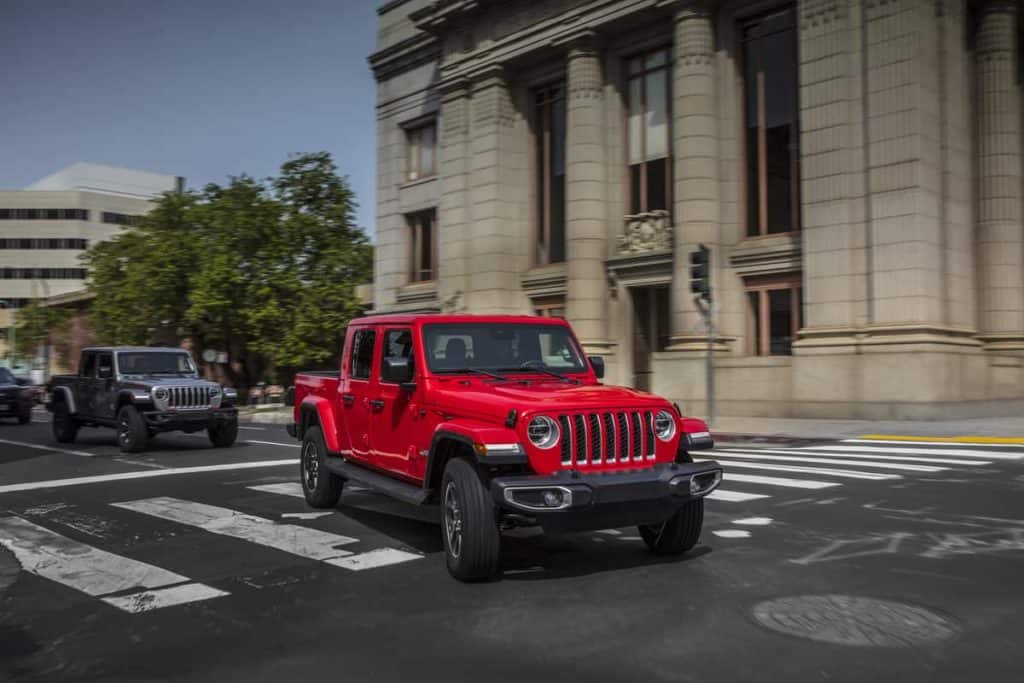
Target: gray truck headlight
{"x":664,"y":425}
{"x":543,"y":432}
{"x":160,"y":394}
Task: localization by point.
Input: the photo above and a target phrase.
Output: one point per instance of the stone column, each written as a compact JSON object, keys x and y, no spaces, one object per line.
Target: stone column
{"x":586,"y":242}
{"x":453,"y":219}
{"x":695,"y":149}
{"x":1000,"y":209}
{"x":493,"y":277}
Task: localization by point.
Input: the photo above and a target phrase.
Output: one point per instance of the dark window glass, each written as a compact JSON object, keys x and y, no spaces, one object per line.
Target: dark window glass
{"x":422,"y":243}
{"x":648,"y":94}
{"x":549,"y":116}
{"x":397,"y":344}
{"x":780,"y":307}
{"x":503,"y":347}
{"x":88,"y":365}
{"x":771,"y":134}
{"x":754,"y":302}
{"x":362,"y":354}
{"x":421,"y":160}
{"x":774,"y":317}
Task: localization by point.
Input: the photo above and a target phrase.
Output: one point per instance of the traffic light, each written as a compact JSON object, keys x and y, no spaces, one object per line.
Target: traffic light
{"x":700,"y":272}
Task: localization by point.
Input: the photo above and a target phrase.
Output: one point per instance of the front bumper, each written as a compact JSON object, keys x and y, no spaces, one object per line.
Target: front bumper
{"x":599,"y":500}
{"x":188,"y":421}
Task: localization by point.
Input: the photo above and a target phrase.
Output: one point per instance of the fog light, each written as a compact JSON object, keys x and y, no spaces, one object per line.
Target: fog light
{"x":553,"y":499}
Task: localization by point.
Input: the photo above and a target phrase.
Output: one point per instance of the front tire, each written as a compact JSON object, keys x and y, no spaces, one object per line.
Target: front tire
{"x":65,"y":429}
{"x":321,"y":486}
{"x":223,"y":434}
{"x":132,"y":433}
{"x":677,"y":534}
{"x":472,"y":544}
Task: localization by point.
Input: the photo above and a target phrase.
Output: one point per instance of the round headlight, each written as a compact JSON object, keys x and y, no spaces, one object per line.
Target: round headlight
{"x":664,"y":425}
{"x":160,"y":394}
{"x":543,"y":432}
{"x":214,"y":391}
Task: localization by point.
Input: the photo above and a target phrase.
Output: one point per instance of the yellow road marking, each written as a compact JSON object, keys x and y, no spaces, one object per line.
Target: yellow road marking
{"x":956,"y":439}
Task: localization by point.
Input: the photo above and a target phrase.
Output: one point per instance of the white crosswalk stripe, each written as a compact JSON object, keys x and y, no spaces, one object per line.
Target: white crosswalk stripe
{"x":843,"y":474}
{"x":780,"y":481}
{"x":962,"y":444}
{"x":298,"y":540}
{"x":841,"y":457}
{"x":124,"y":583}
{"x":825,"y":460}
{"x":727,"y":496}
{"x":958,"y":452}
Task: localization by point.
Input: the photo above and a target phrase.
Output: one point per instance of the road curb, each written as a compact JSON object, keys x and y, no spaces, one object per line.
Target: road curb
{"x":9,"y":569}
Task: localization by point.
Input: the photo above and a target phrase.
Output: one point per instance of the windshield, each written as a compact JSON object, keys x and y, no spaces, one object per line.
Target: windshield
{"x":501,"y":347}
{"x":155,"y":363}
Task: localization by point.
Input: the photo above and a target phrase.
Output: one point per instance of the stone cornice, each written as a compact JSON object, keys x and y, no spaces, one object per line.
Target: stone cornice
{"x":404,"y":55}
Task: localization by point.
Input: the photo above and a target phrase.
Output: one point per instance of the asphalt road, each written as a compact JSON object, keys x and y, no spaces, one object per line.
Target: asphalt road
{"x":845,"y":561}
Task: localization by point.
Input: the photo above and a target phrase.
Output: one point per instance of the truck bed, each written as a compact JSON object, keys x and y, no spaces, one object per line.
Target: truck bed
{"x":314,"y":383}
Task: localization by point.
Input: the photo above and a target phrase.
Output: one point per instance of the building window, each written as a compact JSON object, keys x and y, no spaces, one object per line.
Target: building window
{"x":423,"y":245}
{"x":549,"y":307}
{"x":43,"y":243}
{"x":648,"y":94}
{"x":42,"y":273}
{"x":421,"y":145}
{"x":774,"y":315}
{"x":120,"y":218}
{"x":549,"y":113}
{"x":44,"y":214}
{"x":770,"y":79}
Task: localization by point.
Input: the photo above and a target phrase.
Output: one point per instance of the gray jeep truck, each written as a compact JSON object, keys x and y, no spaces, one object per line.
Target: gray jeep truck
{"x":141,"y":391}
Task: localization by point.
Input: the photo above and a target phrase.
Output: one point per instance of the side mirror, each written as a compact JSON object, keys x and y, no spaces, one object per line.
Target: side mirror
{"x":597,"y":362}
{"x":397,"y":371}
{"x":289,"y":396}
{"x":105,"y":372}
{"x":21,"y":381}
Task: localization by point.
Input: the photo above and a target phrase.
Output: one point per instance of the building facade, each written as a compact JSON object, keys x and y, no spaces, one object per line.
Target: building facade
{"x":45,"y":228}
{"x":854,"y":166}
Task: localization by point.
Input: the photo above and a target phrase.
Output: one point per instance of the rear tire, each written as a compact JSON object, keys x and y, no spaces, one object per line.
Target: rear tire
{"x":65,"y":429}
{"x":223,"y":434}
{"x":677,"y":534}
{"x":321,"y":486}
{"x":132,"y":434}
{"x":469,"y":528}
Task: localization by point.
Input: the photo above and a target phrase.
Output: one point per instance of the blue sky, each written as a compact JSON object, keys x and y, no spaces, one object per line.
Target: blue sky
{"x":198,"y":88}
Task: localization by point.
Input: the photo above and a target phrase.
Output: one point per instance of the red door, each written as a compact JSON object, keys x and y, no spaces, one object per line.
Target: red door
{"x":357,"y":390}
{"x":396,"y":410}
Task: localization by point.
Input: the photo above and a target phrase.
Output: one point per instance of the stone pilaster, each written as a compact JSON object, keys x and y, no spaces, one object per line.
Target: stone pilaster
{"x":1000,"y":208}
{"x":453,"y":219}
{"x":586,"y":241}
{"x":493,"y":277}
{"x":696,"y":176}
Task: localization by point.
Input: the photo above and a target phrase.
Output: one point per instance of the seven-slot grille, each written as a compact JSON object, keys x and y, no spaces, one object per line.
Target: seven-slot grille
{"x":606,"y":438}
{"x":189,"y":397}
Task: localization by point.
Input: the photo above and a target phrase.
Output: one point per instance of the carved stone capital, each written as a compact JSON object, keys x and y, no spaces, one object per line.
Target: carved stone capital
{"x":651,"y":231}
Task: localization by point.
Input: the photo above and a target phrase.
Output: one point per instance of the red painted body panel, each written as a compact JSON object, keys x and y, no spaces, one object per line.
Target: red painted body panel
{"x":395,"y":434}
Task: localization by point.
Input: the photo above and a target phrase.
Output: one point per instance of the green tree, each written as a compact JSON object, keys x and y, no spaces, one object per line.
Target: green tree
{"x":38,"y":326}
{"x":264,"y":270}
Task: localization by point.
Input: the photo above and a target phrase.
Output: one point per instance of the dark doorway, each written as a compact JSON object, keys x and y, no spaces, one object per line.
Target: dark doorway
{"x":650,"y":330}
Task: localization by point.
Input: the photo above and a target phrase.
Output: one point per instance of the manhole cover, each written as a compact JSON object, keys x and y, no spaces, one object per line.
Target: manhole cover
{"x":852,"y":620}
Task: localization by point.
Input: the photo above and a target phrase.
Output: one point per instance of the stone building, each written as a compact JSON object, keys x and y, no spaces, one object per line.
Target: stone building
{"x":855,"y":167}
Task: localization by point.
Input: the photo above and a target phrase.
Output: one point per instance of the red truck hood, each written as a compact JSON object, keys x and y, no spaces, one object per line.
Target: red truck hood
{"x":493,"y":400}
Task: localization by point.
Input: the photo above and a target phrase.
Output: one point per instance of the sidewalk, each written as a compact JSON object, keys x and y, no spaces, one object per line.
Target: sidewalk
{"x":979,"y":430}
{"x":271,"y":413}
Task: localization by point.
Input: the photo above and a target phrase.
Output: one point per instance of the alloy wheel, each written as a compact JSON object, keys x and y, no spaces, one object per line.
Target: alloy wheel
{"x":311,"y":466}
{"x":452,"y":519}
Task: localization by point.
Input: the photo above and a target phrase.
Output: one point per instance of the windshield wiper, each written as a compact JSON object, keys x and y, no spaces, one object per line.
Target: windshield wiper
{"x":477,"y":371}
{"x":540,"y":367}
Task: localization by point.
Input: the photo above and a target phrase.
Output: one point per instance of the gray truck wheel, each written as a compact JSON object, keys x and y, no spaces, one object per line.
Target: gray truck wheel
{"x":677,"y":534}
{"x":132,"y":434}
{"x":65,"y":429}
{"x":223,"y":434}
{"x":472,"y":544}
{"x":321,"y":486}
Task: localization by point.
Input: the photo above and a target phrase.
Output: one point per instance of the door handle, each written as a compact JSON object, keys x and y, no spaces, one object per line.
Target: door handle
{"x":377,"y":404}
{"x":348,"y":399}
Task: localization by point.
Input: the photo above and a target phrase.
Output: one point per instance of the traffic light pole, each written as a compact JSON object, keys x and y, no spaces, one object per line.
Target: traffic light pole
{"x":700,"y":284}
{"x":707,"y":309}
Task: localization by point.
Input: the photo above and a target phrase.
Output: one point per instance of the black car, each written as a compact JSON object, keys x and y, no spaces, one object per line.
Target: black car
{"x":15,"y":397}
{"x":140,"y":392}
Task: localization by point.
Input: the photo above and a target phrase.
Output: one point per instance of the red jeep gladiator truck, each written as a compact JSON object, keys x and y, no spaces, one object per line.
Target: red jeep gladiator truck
{"x":500,"y":421}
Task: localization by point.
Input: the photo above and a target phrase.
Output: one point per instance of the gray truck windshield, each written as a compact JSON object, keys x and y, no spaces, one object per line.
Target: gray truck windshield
{"x":502,"y":347}
{"x":155,"y":363}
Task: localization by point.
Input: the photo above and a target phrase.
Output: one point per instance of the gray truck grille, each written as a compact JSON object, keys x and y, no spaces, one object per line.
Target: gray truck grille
{"x":607,"y":438}
{"x":189,"y":398}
